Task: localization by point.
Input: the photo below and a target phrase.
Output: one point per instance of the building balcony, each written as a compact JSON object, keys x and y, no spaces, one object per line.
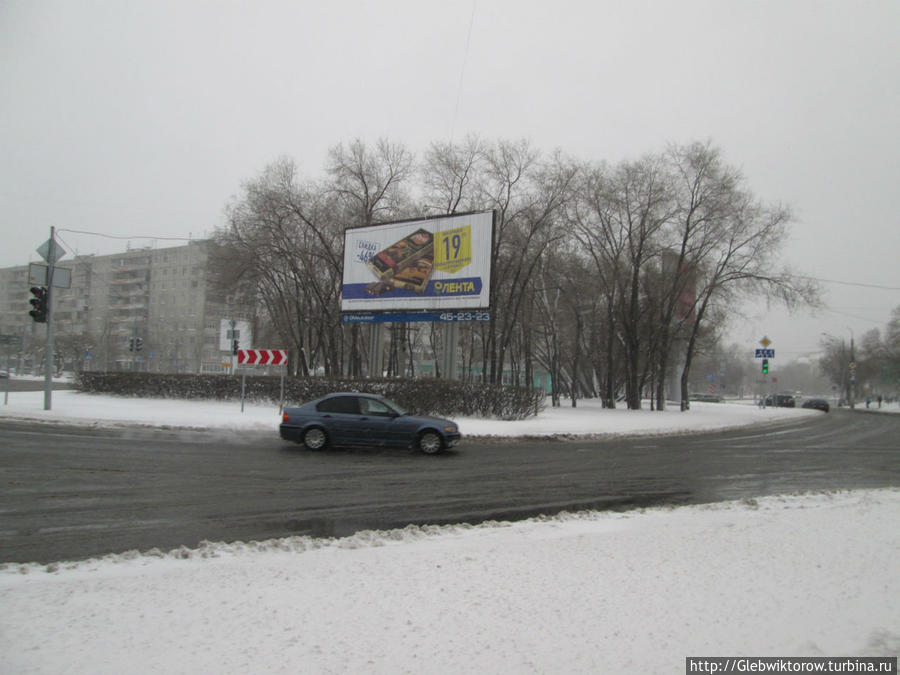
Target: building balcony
{"x":131,"y":319}
{"x":129,"y":305}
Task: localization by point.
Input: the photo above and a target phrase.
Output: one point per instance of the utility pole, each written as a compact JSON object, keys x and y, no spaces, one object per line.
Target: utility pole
{"x":233,"y":350}
{"x":48,"y":356}
{"x":852,"y":392}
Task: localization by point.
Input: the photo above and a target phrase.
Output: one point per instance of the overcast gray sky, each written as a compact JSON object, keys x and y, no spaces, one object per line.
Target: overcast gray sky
{"x":142,"y":119}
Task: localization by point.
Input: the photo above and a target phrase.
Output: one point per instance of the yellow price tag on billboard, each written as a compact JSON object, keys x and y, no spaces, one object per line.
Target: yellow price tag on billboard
{"x":453,"y":249}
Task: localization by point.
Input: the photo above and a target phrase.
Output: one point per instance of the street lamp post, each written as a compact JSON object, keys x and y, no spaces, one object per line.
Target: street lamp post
{"x":848,"y":378}
{"x":852,"y":386}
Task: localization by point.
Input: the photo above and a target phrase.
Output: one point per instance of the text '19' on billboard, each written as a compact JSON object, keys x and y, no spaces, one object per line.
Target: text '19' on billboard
{"x":442,"y":263}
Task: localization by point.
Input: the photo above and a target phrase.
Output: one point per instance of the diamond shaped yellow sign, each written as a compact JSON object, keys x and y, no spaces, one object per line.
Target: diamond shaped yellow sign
{"x":765,"y":342}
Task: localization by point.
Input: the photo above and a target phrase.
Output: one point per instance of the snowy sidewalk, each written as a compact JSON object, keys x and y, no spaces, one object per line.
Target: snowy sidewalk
{"x":588,"y":418}
{"x":591,"y":593}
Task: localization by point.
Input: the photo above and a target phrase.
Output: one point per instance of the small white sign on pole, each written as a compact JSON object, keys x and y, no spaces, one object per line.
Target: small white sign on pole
{"x":37,"y":276}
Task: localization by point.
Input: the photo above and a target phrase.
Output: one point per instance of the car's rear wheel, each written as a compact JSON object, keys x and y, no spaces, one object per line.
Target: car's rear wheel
{"x":315,"y":438}
{"x":430,"y":442}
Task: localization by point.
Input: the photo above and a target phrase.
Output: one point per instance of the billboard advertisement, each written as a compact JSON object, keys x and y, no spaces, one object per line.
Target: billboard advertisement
{"x":436,"y":265}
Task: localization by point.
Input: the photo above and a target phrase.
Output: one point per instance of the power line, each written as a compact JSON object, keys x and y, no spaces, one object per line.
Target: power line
{"x":852,"y":283}
{"x":854,"y":316}
{"x":462,"y":71}
{"x":113,"y":236}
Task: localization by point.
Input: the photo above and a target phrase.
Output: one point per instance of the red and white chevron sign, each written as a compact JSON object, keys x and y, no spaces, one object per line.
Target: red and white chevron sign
{"x":262,"y":357}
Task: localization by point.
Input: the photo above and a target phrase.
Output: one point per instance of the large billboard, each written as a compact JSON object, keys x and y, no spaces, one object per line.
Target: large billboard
{"x":437,"y":265}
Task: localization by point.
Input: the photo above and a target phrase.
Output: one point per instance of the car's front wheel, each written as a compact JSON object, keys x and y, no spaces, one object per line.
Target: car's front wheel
{"x":315,"y":438}
{"x":430,"y":442}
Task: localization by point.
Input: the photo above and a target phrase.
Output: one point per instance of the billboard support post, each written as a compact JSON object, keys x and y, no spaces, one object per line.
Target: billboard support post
{"x":376,"y":350}
{"x":448,"y":358}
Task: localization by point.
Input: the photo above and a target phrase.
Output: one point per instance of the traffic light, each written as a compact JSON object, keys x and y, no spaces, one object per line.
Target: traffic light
{"x":138,"y":344}
{"x":131,"y":344}
{"x":765,"y":366}
{"x":234,"y":346}
{"x":39,"y":302}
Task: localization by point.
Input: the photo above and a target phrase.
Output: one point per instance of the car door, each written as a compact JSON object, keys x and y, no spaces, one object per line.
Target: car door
{"x":378,"y":421}
{"x":340,"y":417}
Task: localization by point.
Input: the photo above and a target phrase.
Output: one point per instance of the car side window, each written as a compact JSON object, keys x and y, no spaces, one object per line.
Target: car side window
{"x":347,"y":405}
{"x":370,"y":406}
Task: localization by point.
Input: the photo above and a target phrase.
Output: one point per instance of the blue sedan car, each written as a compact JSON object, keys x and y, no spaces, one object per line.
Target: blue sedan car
{"x":364,"y":419}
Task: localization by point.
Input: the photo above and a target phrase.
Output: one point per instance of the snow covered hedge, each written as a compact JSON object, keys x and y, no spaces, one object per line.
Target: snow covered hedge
{"x":424,"y":396}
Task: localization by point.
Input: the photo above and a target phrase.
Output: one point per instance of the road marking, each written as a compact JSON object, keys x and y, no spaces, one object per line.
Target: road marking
{"x":632,"y":447}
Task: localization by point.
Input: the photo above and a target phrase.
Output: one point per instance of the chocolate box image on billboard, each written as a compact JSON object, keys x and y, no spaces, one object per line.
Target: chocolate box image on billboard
{"x":411,"y":278}
{"x":415,"y":277}
{"x":402,"y":254}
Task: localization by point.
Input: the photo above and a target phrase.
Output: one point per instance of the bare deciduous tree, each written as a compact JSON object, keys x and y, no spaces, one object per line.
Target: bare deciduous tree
{"x":628,"y":268}
{"x":283,"y":247}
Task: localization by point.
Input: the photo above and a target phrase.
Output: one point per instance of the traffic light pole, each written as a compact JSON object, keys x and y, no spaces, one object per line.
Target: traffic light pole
{"x":48,"y":356}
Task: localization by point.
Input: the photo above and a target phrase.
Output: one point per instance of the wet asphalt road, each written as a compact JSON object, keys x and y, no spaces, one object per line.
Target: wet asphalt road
{"x":71,"y":493}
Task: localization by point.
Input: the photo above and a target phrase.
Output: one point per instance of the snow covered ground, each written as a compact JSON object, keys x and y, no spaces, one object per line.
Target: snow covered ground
{"x":793,"y":575}
{"x":587,"y":418}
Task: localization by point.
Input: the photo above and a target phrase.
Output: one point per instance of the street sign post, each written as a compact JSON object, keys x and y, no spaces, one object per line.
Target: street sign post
{"x":262,"y":357}
{"x":50,"y":251}
{"x":765,"y":354}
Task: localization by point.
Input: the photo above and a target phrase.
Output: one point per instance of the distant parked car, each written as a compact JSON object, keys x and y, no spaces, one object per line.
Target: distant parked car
{"x":817,"y":404}
{"x":3,"y":374}
{"x":706,"y":398}
{"x":365,"y":419}
{"x":781,"y":401}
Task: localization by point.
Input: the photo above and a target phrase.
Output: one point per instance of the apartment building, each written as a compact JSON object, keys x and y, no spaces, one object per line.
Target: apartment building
{"x":145,"y":309}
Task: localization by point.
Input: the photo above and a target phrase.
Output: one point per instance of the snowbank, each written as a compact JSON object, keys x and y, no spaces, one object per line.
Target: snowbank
{"x":588,"y":418}
{"x":808,"y":575}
